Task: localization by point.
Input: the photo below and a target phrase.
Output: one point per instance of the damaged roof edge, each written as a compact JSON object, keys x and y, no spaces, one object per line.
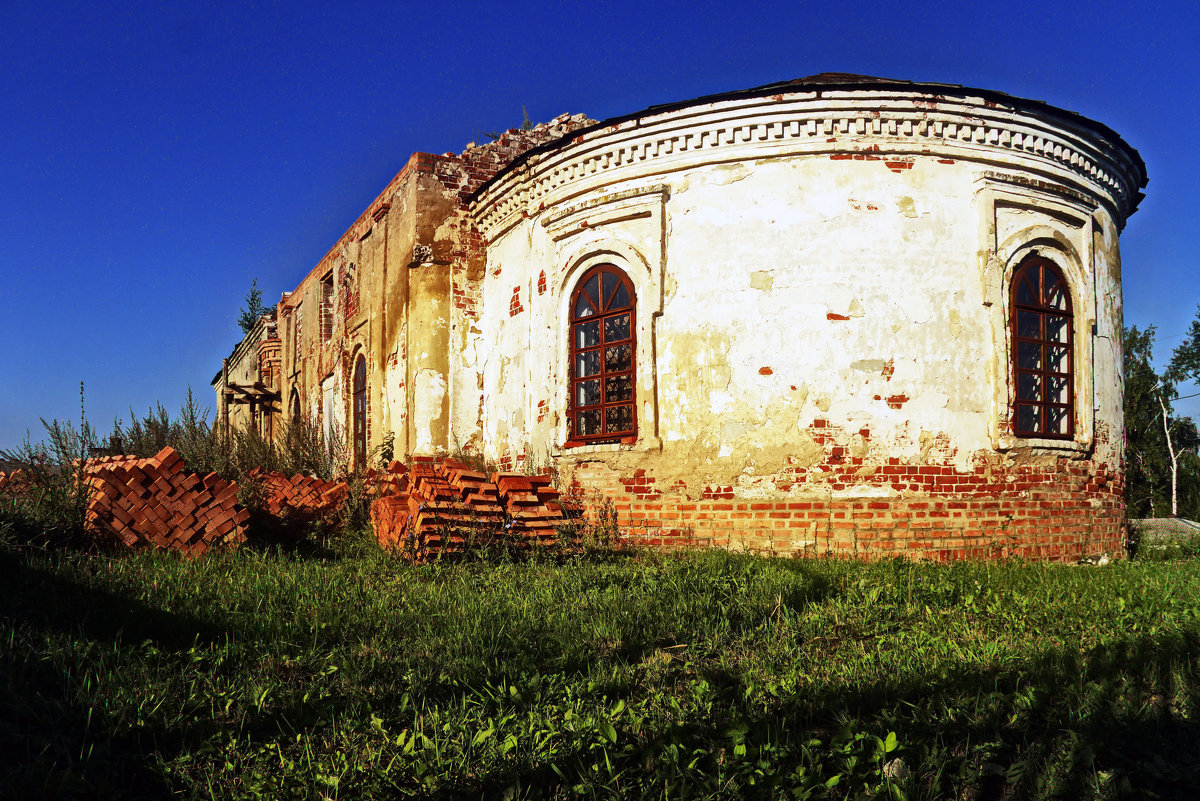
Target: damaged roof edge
{"x":836,"y":81}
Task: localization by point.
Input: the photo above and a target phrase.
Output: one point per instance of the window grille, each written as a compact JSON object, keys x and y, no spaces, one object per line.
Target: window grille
{"x":603,"y":332}
{"x":1042,"y":355}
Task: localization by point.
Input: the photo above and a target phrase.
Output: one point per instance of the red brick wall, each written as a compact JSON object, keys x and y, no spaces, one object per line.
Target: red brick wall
{"x":1053,"y":509}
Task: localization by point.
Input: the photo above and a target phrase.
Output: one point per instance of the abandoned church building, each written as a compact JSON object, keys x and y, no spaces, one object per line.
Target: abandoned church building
{"x":838,"y":314}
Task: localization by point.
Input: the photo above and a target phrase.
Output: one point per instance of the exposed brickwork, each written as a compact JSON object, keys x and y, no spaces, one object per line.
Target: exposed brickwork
{"x":1058,"y":514}
{"x":844,"y":505}
{"x":270,"y":352}
{"x":479,"y":163}
{"x":348,"y":293}
{"x":514,"y":305}
{"x":467,"y":271}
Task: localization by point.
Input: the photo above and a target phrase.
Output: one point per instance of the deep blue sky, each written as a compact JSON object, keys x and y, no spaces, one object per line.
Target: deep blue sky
{"x":155,"y":158}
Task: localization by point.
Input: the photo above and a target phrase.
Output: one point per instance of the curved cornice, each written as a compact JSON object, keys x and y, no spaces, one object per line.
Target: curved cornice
{"x":873,"y":119}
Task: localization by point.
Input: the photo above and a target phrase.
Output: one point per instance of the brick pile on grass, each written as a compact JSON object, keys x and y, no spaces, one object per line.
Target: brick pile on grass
{"x":287,"y":505}
{"x":533,"y":506}
{"x":158,"y":503}
{"x":290,"y":503}
{"x":447,"y":508}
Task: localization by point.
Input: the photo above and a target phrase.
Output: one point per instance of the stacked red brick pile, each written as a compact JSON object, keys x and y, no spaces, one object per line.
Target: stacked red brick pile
{"x":158,"y":503}
{"x":390,"y":481}
{"x":532,"y":505}
{"x":299,"y":497}
{"x":446,"y":507}
{"x":389,"y":518}
{"x":293,"y":502}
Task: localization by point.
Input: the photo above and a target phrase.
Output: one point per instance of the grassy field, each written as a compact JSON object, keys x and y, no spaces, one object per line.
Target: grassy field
{"x":349,"y":675}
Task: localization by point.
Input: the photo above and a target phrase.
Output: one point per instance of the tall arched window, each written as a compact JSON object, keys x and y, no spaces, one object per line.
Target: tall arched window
{"x":360,"y":412}
{"x":1042,"y":341}
{"x":295,"y":404}
{"x":603,"y":346}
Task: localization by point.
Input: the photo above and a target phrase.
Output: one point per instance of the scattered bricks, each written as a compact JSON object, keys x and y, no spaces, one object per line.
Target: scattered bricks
{"x":15,"y":482}
{"x":293,"y":503}
{"x":155,"y":503}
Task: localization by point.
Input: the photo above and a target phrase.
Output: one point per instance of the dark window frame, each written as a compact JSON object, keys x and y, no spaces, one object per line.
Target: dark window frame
{"x":605,"y":298}
{"x":327,"y":307}
{"x":1040,"y":297}
{"x":297,"y":335}
{"x":359,"y":407}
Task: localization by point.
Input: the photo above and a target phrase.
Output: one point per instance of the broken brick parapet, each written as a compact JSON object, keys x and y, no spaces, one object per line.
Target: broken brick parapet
{"x":479,"y":163}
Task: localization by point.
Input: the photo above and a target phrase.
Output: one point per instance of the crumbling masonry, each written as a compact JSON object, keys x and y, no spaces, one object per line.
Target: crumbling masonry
{"x":839,"y":314}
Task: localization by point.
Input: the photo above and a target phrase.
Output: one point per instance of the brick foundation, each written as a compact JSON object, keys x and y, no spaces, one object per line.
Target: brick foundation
{"x":1059,"y":511}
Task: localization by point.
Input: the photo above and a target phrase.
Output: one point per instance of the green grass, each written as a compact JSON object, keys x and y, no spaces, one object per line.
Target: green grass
{"x":354,"y":676}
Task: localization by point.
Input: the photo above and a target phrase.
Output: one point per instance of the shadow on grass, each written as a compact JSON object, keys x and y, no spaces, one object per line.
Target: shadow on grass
{"x":1116,"y":721}
{"x":51,"y":744}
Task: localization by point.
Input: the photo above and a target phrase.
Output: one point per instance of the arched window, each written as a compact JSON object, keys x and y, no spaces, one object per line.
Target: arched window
{"x":360,"y":412}
{"x":603,"y":346}
{"x":295,"y":404}
{"x":1042,"y":342}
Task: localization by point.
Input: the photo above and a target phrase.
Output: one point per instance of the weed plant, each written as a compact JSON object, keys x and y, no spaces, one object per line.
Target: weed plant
{"x":707,"y":675}
{"x":301,"y":446}
{"x":47,"y":510}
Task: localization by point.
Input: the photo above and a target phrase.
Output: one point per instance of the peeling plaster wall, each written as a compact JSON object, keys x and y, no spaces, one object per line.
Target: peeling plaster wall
{"x":865,"y":310}
{"x":822,"y":319}
{"x":822,"y":272}
{"x":407,"y":278}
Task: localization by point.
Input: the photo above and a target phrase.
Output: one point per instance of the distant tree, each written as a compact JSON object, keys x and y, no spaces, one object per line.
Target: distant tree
{"x":1161,"y":450}
{"x":254,"y":308}
{"x":1185,"y":361}
{"x":1185,"y":368}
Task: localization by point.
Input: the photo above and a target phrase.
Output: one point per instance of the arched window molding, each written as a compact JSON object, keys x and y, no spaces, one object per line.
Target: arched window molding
{"x":1019,"y":222}
{"x":645,"y":275}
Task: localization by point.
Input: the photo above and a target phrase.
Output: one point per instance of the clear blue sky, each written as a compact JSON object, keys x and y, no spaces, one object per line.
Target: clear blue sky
{"x":154,"y":158}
